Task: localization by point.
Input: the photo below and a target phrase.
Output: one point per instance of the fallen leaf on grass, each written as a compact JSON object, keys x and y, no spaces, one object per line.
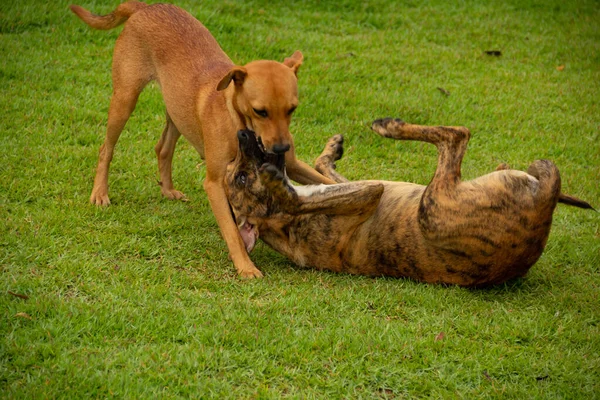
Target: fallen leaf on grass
{"x":440,"y":336}
{"x":21,"y":296}
{"x":495,"y":53}
{"x":487,"y":376}
{"x":560,"y":67}
{"x":23,"y":315}
{"x":386,"y":391}
{"x":444,"y":91}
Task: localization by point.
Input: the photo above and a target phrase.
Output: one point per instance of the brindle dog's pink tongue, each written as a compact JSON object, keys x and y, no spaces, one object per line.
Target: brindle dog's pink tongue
{"x":249,"y":235}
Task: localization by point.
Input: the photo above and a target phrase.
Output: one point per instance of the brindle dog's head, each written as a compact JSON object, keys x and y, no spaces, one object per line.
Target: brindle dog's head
{"x":249,"y":197}
{"x":260,"y":195}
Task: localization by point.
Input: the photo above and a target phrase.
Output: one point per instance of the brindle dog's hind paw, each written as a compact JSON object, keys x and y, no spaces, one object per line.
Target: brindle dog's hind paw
{"x":384,"y":126}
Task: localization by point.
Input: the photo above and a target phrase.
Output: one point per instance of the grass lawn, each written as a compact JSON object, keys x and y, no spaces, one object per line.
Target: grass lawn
{"x":139,"y":300}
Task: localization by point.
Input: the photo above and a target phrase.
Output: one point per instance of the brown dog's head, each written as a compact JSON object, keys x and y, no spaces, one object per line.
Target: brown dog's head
{"x":265,"y":94}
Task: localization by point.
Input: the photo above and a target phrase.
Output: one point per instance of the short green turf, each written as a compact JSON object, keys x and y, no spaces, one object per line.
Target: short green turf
{"x":139,"y":300}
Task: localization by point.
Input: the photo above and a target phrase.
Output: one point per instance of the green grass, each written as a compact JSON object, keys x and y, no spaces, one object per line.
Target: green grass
{"x":139,"y":300}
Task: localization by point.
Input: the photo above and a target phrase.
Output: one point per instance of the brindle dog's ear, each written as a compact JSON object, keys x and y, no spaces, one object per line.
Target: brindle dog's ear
{"x":355,"y":198}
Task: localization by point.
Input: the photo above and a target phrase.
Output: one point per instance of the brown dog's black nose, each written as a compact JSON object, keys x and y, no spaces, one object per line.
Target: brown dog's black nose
{"x":280,"y":148}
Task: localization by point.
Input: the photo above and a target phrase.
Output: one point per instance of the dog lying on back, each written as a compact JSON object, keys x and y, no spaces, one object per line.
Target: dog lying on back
{"x":476,"y":233}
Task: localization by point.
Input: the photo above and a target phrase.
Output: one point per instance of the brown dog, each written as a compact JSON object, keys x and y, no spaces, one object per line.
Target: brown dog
{"x":164,"y":43}
{"x":475,"y":233}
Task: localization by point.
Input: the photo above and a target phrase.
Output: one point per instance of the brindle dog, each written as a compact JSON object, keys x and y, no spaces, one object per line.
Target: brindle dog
{"x":476,"y":233}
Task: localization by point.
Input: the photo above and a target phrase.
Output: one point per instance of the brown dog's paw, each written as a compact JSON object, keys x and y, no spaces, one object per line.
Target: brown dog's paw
{"x":173,"y":194}
{"x":385,"y":126}
{"x":250,"y":273}
{"x":99,"y":199}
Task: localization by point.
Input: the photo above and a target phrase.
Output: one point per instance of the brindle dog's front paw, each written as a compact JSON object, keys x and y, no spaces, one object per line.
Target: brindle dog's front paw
{"x":335,"y":147}
{"x":271,"y":176}
{"x":274,"y":180}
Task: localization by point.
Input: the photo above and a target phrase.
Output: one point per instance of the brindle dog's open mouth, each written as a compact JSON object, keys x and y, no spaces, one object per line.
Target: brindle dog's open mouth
{"x":252,"y":150}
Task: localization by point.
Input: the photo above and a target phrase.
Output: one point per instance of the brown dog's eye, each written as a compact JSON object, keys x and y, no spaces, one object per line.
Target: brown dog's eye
{"x":262,"y":113}
{"x":241,"y":178}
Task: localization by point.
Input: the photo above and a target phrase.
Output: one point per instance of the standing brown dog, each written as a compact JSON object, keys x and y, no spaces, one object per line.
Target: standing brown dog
{"x":469,"y":233}
{"x":164,"y":43}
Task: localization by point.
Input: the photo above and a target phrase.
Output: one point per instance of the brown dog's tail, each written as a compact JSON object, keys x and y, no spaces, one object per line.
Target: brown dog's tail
{"x":109,"y":21}
{"x":574,"y":201}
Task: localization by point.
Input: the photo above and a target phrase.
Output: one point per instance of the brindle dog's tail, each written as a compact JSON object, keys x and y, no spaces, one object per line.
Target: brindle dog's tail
{"x":547,"y":173}
{"x":574,"y":201}
{"x":109,"y":21}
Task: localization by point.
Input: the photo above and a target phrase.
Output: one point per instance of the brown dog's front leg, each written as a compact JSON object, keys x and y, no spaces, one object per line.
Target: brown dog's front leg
{"x":237,"y":250}
{"x":302,"y":173}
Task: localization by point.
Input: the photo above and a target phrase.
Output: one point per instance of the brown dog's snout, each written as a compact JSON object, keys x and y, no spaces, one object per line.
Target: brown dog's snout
{"x":280,"y":148}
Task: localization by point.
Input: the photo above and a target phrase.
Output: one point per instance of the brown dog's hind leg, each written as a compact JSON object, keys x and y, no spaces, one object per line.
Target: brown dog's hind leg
{"x":164,"y":152}
{"x":129,"y":79}
{"x":121,"y":107}
{"x":325,"y":163}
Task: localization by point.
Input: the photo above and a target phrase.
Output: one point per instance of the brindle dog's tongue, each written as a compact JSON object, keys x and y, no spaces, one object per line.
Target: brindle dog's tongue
{"x":249,"y":235}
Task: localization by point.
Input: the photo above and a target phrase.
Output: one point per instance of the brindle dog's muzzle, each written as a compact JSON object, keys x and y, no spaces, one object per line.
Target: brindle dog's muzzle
{"x":252,"y":155}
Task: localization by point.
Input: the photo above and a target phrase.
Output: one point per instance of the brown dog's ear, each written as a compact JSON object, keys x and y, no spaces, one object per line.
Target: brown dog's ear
{"x":295,"y":61}
{"x":237,"y":74}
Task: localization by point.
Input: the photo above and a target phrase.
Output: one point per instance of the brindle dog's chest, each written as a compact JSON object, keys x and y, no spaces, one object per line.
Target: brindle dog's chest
{"x":317,"y":241}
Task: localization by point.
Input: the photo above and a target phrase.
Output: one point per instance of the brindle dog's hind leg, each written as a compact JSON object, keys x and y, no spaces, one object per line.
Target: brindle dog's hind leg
{"x":451,"y":142}
{"x":325,"y":163}
{"x":438,"y":202}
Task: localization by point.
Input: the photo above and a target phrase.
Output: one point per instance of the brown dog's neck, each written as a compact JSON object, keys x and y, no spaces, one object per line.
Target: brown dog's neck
{"x":238,"y":118}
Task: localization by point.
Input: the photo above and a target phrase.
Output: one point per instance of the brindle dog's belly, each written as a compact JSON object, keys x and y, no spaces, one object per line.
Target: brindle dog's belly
{"x":473,"y":242}
{"x":389,"y":243}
